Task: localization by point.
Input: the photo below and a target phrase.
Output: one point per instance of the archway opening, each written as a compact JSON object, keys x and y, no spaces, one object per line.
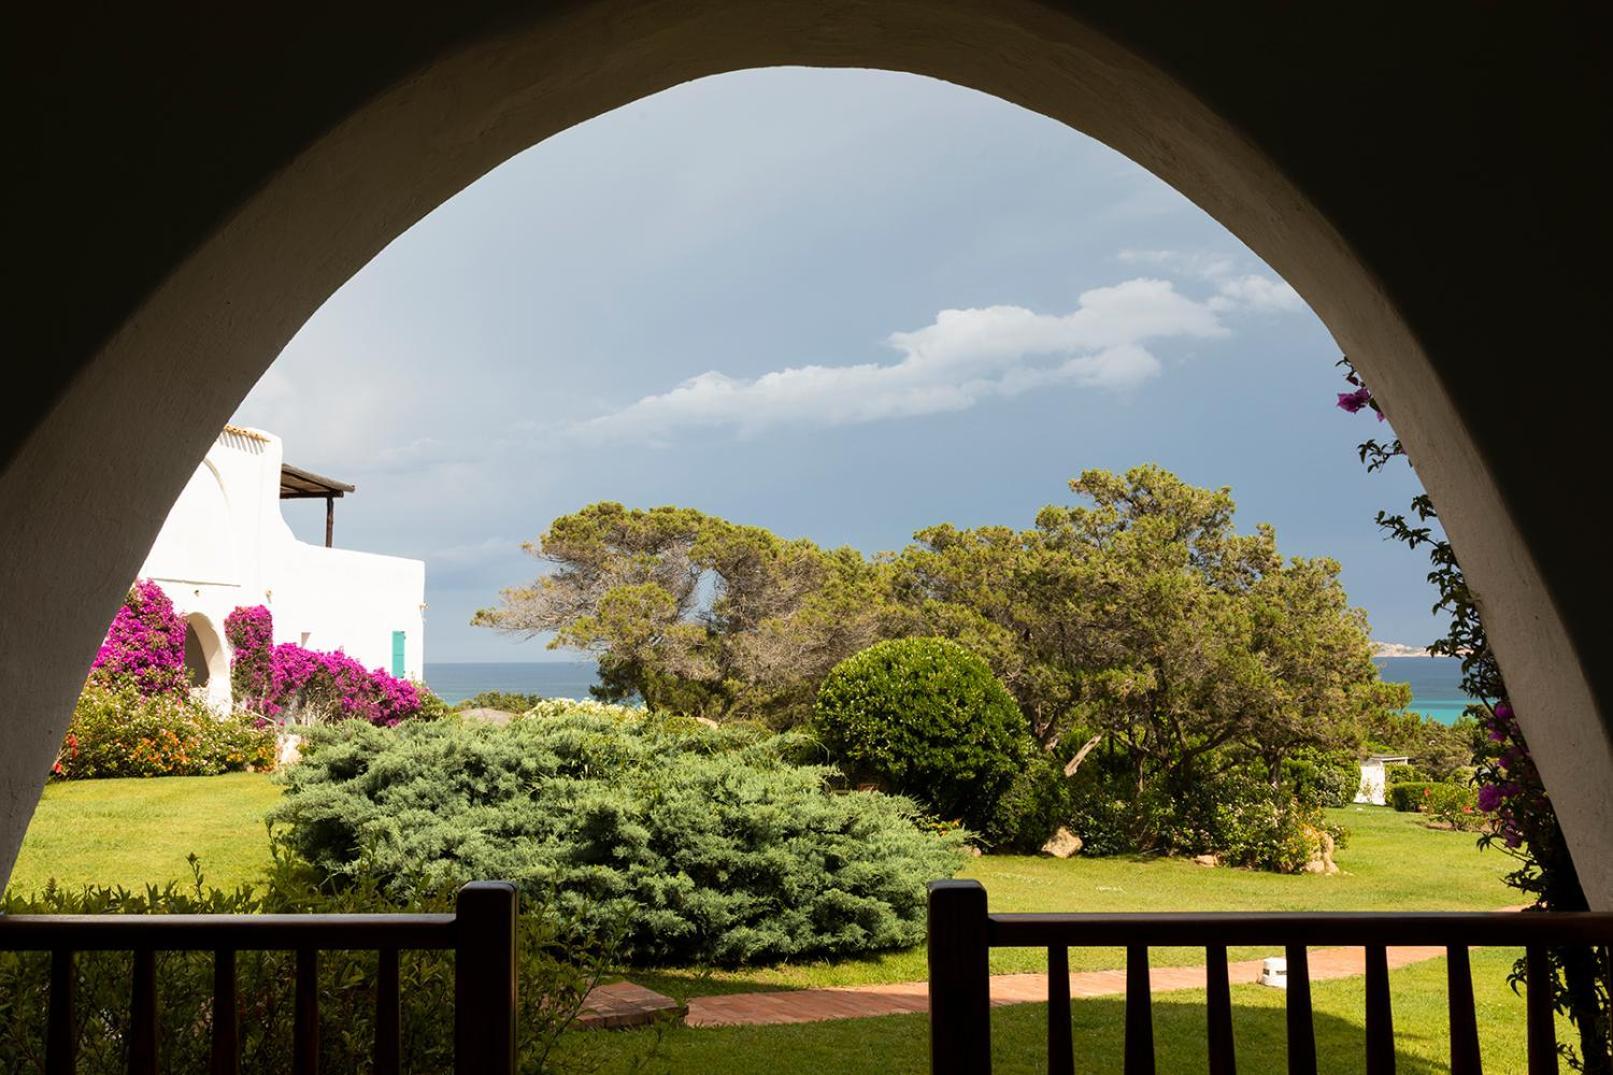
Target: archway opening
{"x":357,"y":182}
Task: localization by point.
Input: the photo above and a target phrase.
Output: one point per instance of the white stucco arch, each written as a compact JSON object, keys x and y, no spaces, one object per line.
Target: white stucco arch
{"x":215,"y":656}
{"x":1379,"y":189}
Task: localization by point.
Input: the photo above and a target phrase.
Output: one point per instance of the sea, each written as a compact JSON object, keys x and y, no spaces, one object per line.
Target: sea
{"x":1436,"y":682}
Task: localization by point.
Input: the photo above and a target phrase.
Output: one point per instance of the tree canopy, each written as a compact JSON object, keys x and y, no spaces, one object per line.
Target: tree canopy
{"x":1137,"y":618}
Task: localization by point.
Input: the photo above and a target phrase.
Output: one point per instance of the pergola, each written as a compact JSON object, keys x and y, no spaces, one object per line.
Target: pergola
{"x":299,"y":484}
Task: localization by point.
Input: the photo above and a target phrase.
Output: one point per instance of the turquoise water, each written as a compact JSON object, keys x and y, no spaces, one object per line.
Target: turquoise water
{"x":552,"y":679}
{"x":1436,"y":682}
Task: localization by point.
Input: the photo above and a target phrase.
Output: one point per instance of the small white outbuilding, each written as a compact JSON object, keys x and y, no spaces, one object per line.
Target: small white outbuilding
{"x":1373,"y":787}
{"x":225,"y":545}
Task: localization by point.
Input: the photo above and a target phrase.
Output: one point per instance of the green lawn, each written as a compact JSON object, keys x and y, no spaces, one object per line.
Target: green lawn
{"x":1392,"y":861}
{"x":898,"y":1044}
{"x":135,"y":832}
{"x":132,"y":832}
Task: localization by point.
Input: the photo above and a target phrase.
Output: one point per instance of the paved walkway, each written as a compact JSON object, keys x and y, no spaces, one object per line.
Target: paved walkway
{"x":862,"y":1001}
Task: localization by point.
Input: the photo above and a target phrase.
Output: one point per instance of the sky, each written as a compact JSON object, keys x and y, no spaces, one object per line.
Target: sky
{"x":840,"y":304}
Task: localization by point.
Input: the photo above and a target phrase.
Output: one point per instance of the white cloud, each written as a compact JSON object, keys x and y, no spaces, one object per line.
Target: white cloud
{"x":961,"y":359}
{"x":1199,"y":264}
{"x":1234,"y":290}
{"x":1259,"y":293}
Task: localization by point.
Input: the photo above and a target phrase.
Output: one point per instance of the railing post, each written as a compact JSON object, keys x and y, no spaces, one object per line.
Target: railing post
{"x":61,"y":1021}
{"x":960,"y":979}
{"x":484,"y":979}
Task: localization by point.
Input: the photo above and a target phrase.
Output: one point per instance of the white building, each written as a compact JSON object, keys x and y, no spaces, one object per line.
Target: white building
{"x":1373,"y":770}
{"x":225,"y":545}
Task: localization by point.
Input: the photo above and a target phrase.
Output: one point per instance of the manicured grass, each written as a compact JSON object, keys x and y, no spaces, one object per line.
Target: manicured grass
{"x":132,"y":832}
{"x":1392,"y":862}
{"x":136,"y":832}
{"x":898,"y":1044}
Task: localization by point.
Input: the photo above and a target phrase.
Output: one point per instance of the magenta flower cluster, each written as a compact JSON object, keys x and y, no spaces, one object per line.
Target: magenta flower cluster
{"x":290,"y":682}
{"x":145,"y":644}
{"x":1510,"y":786}
{"x":1359,"y":399}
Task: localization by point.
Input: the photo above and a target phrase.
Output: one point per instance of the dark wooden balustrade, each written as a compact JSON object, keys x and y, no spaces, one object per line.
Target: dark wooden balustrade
{"x":480,"y":932}
{"x":962,"y":934}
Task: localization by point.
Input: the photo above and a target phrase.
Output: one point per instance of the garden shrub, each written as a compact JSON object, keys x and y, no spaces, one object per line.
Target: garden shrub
{"x":1266,"y":828}
{"x":1233,"y":813}
{"x":302,"y":686}
{"x":117,"y":731}
{"x":1405,"y":774}
{"x":1322,"y":780}
{"x":1456,"y":805}
{"x":432,"y":705}
{"x":705,"y":844}
{"x":1036,"y":802}
{"x":505,"y":701}
{"x":554,"y":976}
{"x":927,"y":718}
{"x":565,"y":707}
{"x":1410,"y":796}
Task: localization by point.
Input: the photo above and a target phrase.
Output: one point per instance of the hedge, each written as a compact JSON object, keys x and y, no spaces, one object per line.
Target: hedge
{"x":1410,"y":796}
{"x":699,"y":844}
{"x":554,"y":976}
{"x":118,"y":731}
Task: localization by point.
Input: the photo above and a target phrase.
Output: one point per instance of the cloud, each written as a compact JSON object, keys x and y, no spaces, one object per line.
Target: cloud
{"x":964,"y":357}
{"x":1235,"y":291}
{"x":1259,"y":293}
{"x":1199,"y":264}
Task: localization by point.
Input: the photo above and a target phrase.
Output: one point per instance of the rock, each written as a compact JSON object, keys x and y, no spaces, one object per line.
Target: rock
{"x":497,"y":717}
{"x":1062,"y":844}
{"x":288,"y":749}
{"x":1322,"y":858}
{"x":1207,"y":860}
{"x":974,"y":852}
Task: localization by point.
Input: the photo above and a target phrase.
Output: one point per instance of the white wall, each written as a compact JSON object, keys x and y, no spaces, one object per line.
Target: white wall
{"x":1371,"y":790}
{"x":225,"y":544}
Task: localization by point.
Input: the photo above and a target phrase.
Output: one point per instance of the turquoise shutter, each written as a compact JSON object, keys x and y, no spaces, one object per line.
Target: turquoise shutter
{"x":397,"y":652}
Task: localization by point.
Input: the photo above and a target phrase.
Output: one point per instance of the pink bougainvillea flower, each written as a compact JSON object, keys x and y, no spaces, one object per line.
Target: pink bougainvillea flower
{"x":1354,"y":401}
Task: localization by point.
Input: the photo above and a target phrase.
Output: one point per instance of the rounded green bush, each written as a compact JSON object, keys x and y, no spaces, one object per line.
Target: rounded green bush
{"x":926,"y":718}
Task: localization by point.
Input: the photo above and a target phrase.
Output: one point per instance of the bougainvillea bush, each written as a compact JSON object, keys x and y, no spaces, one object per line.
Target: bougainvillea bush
{"x":703,"y":845}
{"x":136,"y":716}
{"x":291,"y":684}
{"x":145,"y":645}
{"x":117,"y":731}
{"x":1509,"y":784}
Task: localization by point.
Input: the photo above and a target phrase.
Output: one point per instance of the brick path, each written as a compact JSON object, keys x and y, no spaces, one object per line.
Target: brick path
{"x":862,"y":1001}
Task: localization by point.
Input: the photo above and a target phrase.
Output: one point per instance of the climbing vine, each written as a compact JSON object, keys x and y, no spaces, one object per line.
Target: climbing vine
{"x":1510,"y":787}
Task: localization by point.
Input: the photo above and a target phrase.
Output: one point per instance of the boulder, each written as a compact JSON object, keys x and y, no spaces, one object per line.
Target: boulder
{"x":1207,"y":860}
{"x":498,"y":717}
{"x":1322,"y":858}
{"x":288,"y":749}
{"x":1062,"y":844}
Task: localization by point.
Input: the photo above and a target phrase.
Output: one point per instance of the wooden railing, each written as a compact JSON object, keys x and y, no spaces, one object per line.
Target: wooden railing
{"x":962,"y":934}
{"x":480,"y":932}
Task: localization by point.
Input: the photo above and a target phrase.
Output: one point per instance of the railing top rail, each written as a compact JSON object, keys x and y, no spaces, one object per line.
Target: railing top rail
{"x":1313,"y":928}
{"x":266,"y":932}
